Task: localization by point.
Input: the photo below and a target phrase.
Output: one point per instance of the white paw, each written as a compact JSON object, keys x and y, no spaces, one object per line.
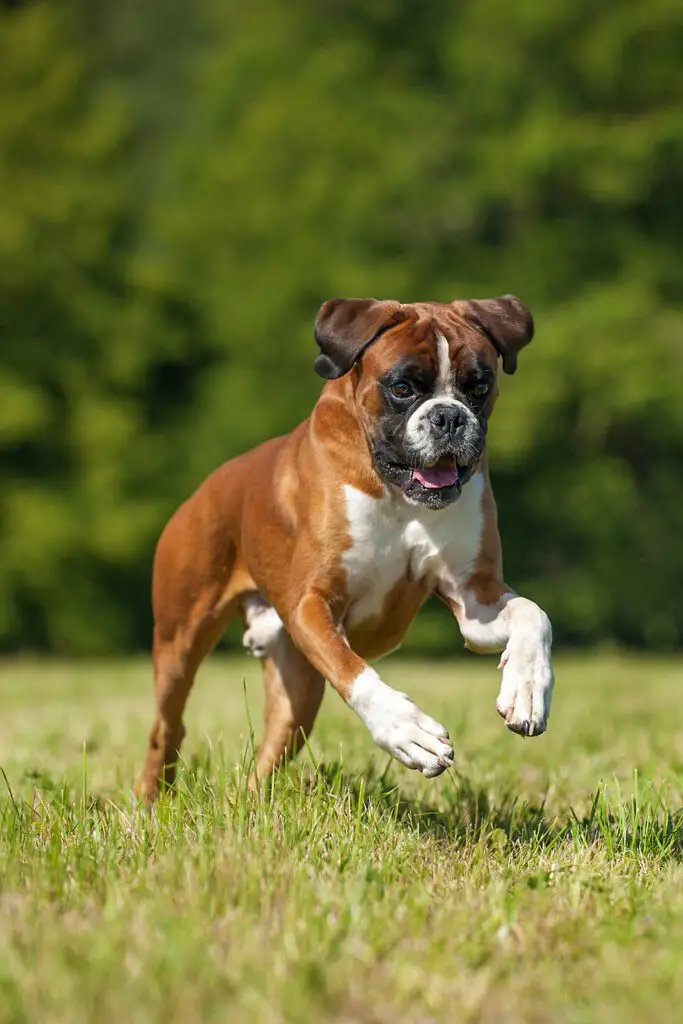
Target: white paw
{"x":397,"y":725}
{"x":265,"y":627}
{"x":526,"y":690}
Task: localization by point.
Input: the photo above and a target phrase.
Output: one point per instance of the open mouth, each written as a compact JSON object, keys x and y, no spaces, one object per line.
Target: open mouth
{"x":434,"y":486}
{"x":445,"y":473}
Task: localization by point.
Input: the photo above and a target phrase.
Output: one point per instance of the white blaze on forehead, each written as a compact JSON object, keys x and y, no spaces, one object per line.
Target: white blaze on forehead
{"x":418,"y":431}
{"x":444,"y":358}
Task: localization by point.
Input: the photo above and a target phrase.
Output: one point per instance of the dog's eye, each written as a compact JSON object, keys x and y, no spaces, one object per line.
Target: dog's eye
{"x":481,"y":389}
{"x":401,"y":390}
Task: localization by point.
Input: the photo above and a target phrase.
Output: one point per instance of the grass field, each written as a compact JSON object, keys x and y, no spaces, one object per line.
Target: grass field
{"x":540,"y":880}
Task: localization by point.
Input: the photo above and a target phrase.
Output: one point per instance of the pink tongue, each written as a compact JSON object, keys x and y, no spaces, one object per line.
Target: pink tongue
{"x":436,"y":477}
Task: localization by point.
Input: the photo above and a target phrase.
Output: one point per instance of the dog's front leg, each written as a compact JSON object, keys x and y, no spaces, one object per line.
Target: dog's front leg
{"x":493,"y":618}
{"x":395,"y":722}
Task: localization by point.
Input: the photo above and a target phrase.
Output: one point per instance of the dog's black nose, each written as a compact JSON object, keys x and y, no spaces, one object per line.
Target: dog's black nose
{"x":446,"y":418}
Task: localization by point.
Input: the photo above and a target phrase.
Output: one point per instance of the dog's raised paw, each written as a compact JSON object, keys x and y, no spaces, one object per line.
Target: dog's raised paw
{"x":525,"y":695}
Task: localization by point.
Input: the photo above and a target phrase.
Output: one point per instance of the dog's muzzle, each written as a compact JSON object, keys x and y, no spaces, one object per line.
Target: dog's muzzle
{"x":442,"y":444}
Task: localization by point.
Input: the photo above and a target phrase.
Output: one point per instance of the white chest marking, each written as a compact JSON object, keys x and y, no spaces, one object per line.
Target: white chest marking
{"x":390,"y":539}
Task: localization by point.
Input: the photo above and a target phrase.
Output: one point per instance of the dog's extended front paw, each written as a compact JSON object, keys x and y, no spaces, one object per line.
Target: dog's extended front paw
{"x":526,"y":691}
{"x":397,"y":725}
{"x":414,"y":738}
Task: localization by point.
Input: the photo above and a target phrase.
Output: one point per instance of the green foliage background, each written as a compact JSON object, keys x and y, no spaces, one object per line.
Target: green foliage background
{"x":183,"y":185}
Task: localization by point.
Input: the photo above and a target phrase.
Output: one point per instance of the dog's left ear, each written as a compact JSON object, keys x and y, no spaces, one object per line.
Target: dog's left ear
{"x":506,"y":322}
{"x":345,"y":327}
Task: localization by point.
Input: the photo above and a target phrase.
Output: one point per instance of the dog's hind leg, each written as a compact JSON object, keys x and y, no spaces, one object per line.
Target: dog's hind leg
{"x":176,"y":661}
{"x":195,"y":589}
{"x":294,"y":689}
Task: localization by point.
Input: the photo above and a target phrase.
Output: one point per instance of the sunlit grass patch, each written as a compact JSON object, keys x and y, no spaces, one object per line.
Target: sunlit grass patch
{"x":539,"y":880}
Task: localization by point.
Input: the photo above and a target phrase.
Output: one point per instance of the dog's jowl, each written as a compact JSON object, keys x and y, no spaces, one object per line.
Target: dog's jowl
{"x":327,"y":541}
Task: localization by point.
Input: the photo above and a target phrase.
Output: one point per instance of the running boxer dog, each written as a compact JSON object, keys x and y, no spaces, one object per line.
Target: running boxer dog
{"x":327,"y":541}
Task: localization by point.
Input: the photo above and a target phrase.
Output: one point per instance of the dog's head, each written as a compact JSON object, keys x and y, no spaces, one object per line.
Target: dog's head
{"x":424,"y":382}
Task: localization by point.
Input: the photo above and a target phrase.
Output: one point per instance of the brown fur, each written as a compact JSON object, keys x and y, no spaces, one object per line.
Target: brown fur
{"x":273,"y":521}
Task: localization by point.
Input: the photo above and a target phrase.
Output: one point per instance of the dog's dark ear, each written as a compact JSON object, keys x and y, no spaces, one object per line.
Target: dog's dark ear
{"x":506,"y":322}
{"x":345,"y":327}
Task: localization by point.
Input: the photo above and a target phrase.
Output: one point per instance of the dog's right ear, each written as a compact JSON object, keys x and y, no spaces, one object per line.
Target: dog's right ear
{"x":345,"y":327}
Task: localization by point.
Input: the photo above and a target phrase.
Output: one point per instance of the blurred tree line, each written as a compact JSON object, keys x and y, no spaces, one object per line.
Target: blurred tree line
{"x":184,"y":184}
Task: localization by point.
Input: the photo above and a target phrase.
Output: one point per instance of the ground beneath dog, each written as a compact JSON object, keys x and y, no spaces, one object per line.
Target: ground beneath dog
{"x":540,"y":880}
